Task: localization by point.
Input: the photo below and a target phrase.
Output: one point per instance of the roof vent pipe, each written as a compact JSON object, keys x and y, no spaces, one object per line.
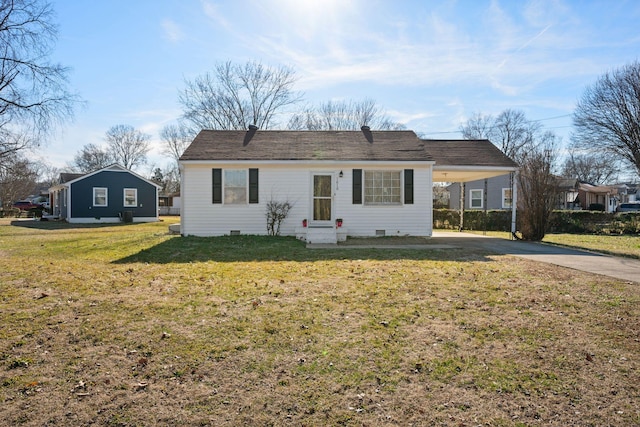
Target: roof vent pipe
{"x":253,"y":127}
{"x":365,"y":128}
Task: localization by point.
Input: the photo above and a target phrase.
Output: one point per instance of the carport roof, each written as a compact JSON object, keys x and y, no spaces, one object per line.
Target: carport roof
{"x":467,"y":160}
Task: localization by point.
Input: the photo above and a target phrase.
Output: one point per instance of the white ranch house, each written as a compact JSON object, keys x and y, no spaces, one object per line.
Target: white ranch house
{"x":340,"y":183}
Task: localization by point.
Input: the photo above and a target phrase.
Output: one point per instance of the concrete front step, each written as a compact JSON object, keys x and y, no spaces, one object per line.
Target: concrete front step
{"x":321,"y":235}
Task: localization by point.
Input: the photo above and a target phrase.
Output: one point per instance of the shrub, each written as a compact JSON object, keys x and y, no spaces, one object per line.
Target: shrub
{"x":276,"y":213}
{"x":561,"y":221}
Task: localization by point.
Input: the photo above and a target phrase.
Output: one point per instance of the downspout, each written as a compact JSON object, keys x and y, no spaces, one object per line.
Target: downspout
{"x":486,"y":190}
{"x":462,"y":197}
{"x":514,"y":202}
{"x":182,"y":196}
{"x":68,"y":207}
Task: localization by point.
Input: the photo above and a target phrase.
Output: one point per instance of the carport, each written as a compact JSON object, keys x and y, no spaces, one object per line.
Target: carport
{"x":463,"y":161}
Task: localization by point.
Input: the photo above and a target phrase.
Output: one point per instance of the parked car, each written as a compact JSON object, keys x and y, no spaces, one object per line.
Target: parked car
{"x":629,"y":207}
{"x":25,"y":205}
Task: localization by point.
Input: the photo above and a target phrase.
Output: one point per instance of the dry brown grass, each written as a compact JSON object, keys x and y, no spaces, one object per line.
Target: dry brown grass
{"x":126,"y":325}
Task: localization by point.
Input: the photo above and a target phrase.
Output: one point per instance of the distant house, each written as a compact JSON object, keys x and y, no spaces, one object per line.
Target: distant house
{"x":339,"y":183}
{"x":578,"y":195}
{"x":598,"y":197}
{"x":169,"y":204}
{"x":111,"y":194}
{"x":629,"y":192}
{"x":494,"y":193}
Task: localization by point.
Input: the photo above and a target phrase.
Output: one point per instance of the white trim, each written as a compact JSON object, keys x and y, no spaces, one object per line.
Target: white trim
{"x":514,"y":195}
{"x":320,"y":163}
{"x":109,"y":220}
{"x":444,"y":173}
{"x":471,"y":198}
{"x":106,"y":197}
{"x":224,"y":186}
{"x":135,"y":198}
{"x":313,"y":222}
{"x":503,"y":204}
{"x":400,"y":187}
{"x":111,"y":168}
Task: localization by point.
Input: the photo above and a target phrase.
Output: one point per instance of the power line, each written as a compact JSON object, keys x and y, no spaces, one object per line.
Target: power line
{"x":552,"y":118}
{"x":537,"y":120}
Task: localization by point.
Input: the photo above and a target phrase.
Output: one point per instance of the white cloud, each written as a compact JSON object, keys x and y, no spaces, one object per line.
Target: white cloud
{"x":172,"y":31}
{"x":211,"y":11}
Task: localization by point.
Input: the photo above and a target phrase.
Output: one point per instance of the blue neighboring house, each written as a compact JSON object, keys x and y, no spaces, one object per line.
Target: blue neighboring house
{"x":111,"y":194}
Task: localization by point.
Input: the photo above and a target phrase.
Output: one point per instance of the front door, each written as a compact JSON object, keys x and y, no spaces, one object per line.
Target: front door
{"x":322,"y":199}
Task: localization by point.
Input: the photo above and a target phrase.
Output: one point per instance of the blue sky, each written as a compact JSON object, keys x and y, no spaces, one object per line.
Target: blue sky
{"x":430,"y":64}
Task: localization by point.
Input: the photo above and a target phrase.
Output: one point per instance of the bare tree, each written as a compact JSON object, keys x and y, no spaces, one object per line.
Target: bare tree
{"x":235,"y":96}
{"x":33,"y":91}
{"x":510,"y":131}
{"x":12,"y":143}
{"x":343,"y":115}
{"x":90,"y":158}
{"x":48,"y":175}
{"x":171,"y":179}
{"x":607,"y":117}
{"x":128,"y":146}
{"x":538,"y":187}
{"x":535,"y":152}
{"x":478,"y":126}
{"x":17,"y":180}
{"x":592,"y":168}
{"x":175,"y":139}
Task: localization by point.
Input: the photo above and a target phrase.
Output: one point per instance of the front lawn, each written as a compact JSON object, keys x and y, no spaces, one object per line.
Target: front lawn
{"x":622,"y":245}
{"x":127,"y":325}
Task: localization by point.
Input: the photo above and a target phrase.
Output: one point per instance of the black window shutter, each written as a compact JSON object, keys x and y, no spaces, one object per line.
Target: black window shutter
{"x":408,"y":186}
{"x":253,"y":185}
{"x":217,"y":185}
{"x":357,"y":187}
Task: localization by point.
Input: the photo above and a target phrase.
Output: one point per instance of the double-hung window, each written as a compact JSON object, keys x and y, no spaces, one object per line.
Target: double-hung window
{"x":476,"y":199}
{"x":130,"y":197}
{"x":507,"y":198}
{"x":382,"y":188}
{"x":235,"y":186}
{"x":100,"y":196}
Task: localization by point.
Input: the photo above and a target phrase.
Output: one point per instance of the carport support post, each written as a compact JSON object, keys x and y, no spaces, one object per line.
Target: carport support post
{"x":514,"y":201}
{"x":462,"y":196}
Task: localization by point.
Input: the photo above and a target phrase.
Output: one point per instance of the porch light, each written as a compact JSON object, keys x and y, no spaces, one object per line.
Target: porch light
{"x":340,"y":174}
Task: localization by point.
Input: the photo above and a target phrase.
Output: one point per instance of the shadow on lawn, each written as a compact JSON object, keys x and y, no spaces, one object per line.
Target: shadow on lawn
{"x":269,"y":248}
{"x":62,"y":225}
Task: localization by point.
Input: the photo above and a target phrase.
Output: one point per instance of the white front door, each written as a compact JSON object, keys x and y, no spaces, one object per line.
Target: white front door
{"x":322,"y":203}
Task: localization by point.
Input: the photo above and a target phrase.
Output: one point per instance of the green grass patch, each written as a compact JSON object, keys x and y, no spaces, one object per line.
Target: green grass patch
{"x":128,"y":325}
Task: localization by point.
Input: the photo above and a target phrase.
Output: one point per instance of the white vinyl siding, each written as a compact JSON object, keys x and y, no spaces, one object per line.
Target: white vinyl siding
{"x":292,"y":182}
{"x":100,"y":197}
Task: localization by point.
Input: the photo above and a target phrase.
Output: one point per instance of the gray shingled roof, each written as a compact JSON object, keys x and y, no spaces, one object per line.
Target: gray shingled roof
{"x":307,"y":145}
{"x":66,"y":177}
{"x":342,"y":145}
{"x":480,"y":152}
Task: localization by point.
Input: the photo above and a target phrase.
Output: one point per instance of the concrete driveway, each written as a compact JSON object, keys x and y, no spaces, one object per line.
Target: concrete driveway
{"x":617,"y":267}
